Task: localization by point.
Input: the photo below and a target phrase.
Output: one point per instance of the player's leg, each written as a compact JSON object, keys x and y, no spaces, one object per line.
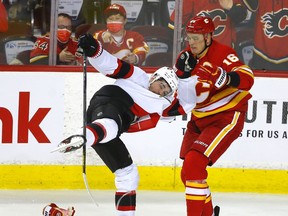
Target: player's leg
{"x":194,"y":175}
{"x":106,"y":122}
{"x":217,"y":134}
{"x":108,"y":115}
{"x":117,"y":158}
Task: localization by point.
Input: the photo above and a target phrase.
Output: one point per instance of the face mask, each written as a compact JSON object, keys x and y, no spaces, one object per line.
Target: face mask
{"x":63,"y":35}
{"x":115,"y":27}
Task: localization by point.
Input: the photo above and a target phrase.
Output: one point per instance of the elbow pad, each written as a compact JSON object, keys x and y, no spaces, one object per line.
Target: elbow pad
{"x":233,"y":79}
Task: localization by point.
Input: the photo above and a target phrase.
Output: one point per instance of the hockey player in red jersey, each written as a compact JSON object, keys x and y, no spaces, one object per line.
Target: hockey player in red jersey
{"x":270,"y":37}
{"x":222,"y":93}
{"x":127,"y":45}
{"x":226,"y":14}
{"x":134,"y":102}
{"x":66,"y":45}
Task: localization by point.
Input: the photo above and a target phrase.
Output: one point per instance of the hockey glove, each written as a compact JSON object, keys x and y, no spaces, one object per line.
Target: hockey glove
{"x":53,"y":210}
{"x":91,"y":47}
{"x":185,"y":64}
{"x":212,"y":74}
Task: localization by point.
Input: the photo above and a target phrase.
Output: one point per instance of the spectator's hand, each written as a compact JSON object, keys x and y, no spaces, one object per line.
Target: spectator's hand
{"x":91,"y":47}
{"x":185,"y":64}
{"x":107,"y":37}
{"x":212,"y":74}
{"x":130,"y":58}
{"x":66,"y":56}
{"x":226,"y":4}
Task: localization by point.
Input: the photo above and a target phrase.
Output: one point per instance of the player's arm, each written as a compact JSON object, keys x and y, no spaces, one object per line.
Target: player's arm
{"x":108,"y":64}
{"x":239,"y":75}
{"x":231,"y":73}
{"x":103,"y":61}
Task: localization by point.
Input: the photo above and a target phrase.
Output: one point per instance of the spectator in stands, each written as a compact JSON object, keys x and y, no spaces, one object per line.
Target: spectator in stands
{"x":271,"y":33}
{"x":18,"y":10}
{"x":3,"y":18}
{"x":226,"y":14}
{"x":126,"y":45}
{"x":66,"y":46}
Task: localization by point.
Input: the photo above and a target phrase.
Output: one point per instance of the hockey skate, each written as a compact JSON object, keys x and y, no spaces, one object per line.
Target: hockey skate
{"x":216,"y":211}
{"x":70,"y":144}
{"x":53,"y":210}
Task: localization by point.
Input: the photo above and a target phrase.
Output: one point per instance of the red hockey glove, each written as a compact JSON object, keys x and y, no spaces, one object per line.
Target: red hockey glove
{"x":185,"y":64}
{"x":212,"y":74}
{"x":91,"y":47}
{"x":53,"y":210}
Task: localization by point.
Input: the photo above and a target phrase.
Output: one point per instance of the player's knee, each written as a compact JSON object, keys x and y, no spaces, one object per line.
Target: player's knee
{"x":111,"y":129}
{"x":127,"y":179}
{"x":194,"y":167}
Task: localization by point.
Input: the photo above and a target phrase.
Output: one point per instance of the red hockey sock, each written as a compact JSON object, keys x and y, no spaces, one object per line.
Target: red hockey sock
{"x":195,"y":197}
{"x":125,"y":203}
{"x":208,"y":208}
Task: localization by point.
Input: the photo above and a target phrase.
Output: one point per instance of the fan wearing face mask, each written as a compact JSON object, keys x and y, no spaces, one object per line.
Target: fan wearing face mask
{"x":128,"y":46}
{"x":66,"y":45}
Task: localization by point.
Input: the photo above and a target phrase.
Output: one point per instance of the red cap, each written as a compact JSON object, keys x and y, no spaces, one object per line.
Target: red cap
{"x":200,"y":25}
{"x":115,"y":8}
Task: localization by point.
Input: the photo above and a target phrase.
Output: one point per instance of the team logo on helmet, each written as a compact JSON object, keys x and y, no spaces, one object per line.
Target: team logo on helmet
{"x":219,"y":18}
{"x":275,"y":24}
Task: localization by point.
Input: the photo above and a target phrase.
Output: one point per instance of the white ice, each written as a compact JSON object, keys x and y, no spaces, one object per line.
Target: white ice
{"x":149,"y":203}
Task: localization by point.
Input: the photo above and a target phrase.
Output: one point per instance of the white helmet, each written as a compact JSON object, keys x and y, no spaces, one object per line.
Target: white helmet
{"x":168,"y":75}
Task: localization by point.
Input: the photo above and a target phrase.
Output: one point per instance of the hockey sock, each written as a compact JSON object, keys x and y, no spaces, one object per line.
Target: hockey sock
{"x":195,"y":198}
{"x":95,"y":133}
{"x":208,"y":208}
{"x":125,"y":203}
{"x":195,"y":173}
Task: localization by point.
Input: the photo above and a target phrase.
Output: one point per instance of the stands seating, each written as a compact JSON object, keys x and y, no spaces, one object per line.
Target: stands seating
{"x":159,"y":59}
{"x":12,"y":45}
{"x":15,"y":28}
{"x":158,"y":38}
{"x":166,"y":9}
{"x":88,"y":28}
{"x":244,"y":44}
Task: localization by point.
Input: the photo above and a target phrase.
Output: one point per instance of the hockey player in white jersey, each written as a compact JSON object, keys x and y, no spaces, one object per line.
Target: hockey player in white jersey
{"x":134,"y":102}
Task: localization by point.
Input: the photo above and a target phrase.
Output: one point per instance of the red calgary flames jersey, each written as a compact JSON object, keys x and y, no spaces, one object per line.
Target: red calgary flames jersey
{"x":132,"y":42}
{"x":271,"y":31}
{"x":41,"y":48}
{"x":211,"y":101}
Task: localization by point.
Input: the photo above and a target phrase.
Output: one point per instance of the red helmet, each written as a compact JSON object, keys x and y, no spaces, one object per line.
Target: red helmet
{"x":200,"y":25}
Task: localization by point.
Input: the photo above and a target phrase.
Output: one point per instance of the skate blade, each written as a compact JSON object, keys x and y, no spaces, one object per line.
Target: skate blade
{"x":67,"y":146}
{"x":64,"y":146}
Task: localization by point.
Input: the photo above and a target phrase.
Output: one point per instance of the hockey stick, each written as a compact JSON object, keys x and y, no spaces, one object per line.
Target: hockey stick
{"x":84,"y":128}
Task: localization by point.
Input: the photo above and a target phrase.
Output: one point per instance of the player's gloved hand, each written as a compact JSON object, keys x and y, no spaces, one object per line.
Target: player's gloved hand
{"x":91,"y":47}
{"x":185,"y":64}
{"x":212,"y":74}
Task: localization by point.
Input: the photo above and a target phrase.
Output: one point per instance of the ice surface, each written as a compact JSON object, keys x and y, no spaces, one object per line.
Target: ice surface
{"x":152,"y":203}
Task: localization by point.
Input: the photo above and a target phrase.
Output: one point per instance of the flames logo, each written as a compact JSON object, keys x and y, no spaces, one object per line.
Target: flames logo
{"x":275,"y":24}
{"x":219,"y":18}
